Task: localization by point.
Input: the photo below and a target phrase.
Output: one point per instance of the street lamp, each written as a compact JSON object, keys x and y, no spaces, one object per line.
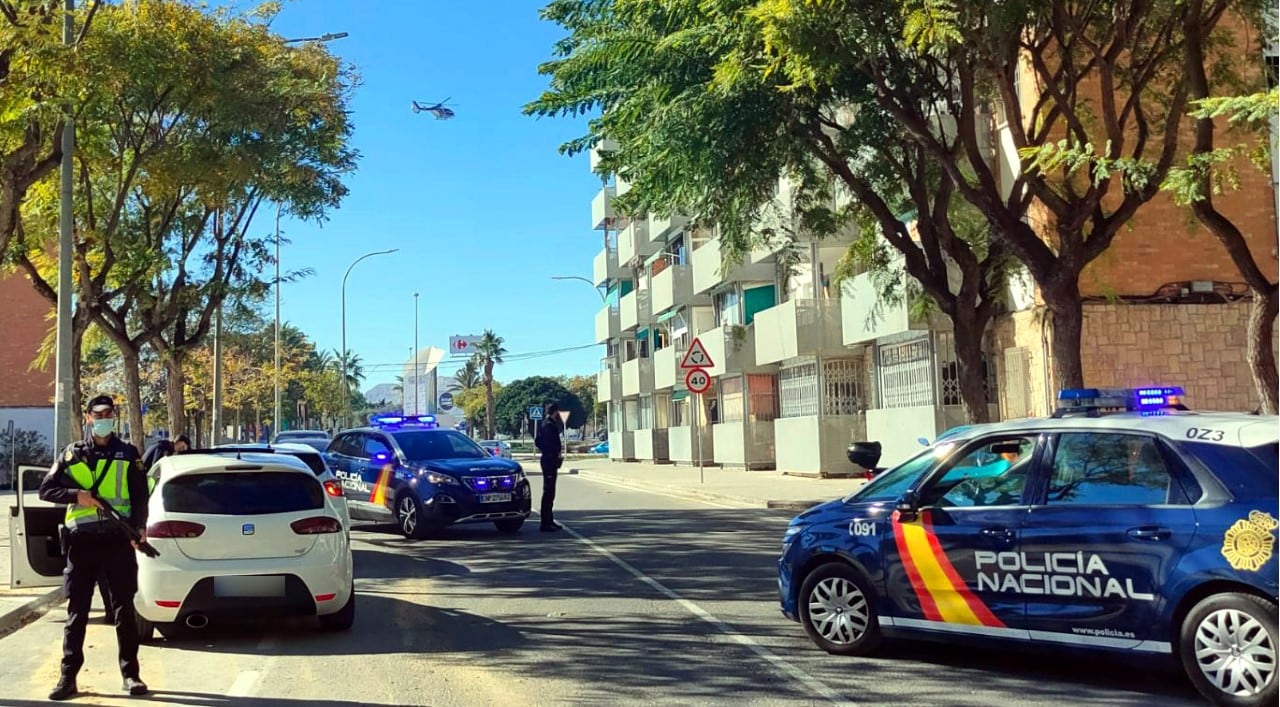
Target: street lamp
{"x":417,"y":409}
{"x":326,"y":37}
{"x":346,"y":402}
{"x":64,"y":363}
{"x":603,"y":298}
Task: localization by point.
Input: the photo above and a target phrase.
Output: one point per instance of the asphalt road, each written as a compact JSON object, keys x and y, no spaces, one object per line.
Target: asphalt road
{"x":644,"y":599}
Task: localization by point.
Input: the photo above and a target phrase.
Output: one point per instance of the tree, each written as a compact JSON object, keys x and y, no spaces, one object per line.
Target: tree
{"x":1208,"y":170}
{"x":26,"y":447}
{"x":512,"y":406}
{"x":584,"y":387}
{"x":473,"y":403}
{"x":470,"y":375}
{"x":737,"y":125}
{"x":490,"y":351}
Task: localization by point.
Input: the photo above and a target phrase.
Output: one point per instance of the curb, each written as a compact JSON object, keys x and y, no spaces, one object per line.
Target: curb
{"x":699,"y":495}
{"x":14,"y":619}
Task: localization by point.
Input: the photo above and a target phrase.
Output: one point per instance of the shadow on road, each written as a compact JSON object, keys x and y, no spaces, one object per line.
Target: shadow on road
{"x":205,"y":699}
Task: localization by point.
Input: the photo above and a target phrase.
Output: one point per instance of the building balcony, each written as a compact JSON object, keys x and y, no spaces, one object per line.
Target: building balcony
{"x":633,"y":242}
{"x":661,"y":227}
{"x":686,"y":449}
{"x":637,"y":377}
{"x":609,"y":384}
{"x":605,"y":266}
{"x":608,"y":324}
{"x":733,"y":350}
{"x":602,"y":208}
{"x":707,"y":264}
{"x":671,"y":287}
{"x":622,"y":446}
{"x":635,"y":310}
{"x":801,"y":327}
{"x":815,"y":445}
{"x":595,"y":158}
{"x":748,"y":444}
{"x":651,"y":445}
{"x":865,"y":318}
{"x":666,"y":368}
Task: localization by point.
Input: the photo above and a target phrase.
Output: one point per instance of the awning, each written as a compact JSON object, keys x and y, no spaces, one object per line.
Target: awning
{"x":679,"y":395}
{"x":664,"y":317}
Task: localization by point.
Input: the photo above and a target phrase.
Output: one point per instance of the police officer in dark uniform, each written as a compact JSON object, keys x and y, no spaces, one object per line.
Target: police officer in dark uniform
{"x":552,"y":458}
{"x":95,"y":547}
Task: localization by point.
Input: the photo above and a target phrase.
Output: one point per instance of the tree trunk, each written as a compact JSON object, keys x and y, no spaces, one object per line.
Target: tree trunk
{"x":1261,"y":355}
{"x":174,"y":394}
{"x":969,"y":329}
{"x":488,"y":401}
{"x":1066,"y":315}
{"x":131,"y":360}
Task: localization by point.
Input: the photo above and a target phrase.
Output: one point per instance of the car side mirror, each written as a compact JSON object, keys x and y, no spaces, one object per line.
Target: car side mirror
{"x":908,"y":507}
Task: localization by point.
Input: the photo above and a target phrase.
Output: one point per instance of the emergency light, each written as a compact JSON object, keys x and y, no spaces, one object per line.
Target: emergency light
{"x":1148,"y":401}
{"x":397,"y":420}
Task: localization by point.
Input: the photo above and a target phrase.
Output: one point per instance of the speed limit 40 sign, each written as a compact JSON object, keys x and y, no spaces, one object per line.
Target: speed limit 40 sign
{"x":697,"y":380}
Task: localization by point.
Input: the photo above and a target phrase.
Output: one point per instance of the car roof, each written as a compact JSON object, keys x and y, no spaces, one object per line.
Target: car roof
{"x":1239,"y":429}
{"x":181,"y":464}
{"x":302,"y":433}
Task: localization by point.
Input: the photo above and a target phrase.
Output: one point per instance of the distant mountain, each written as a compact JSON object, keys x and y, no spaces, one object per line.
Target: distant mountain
{"x":381,"y":392}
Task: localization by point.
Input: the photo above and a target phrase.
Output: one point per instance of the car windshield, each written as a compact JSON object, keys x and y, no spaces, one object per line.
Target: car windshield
{"x":426,"y":445}
{"x":890,"y":485}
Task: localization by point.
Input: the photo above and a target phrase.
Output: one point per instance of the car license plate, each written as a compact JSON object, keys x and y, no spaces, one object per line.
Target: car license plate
{"x":227,"y":587}
{"x":494,"y":497}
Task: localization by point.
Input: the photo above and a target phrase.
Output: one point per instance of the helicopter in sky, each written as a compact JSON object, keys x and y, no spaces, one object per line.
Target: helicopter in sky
{"x":439,"y":110}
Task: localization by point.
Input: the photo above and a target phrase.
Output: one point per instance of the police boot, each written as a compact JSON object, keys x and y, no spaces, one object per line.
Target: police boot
{"x":135,"y":687}
{"x":64,"y":690}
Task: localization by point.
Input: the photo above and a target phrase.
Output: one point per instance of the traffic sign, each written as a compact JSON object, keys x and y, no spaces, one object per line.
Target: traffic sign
{"x":463,"y":345}
{"x":696,"y":356}
{"x":697,"y":380}
{"x":446,"y":401}
{"x":535,"y":412}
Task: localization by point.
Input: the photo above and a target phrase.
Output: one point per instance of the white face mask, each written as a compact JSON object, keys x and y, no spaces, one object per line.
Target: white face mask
{"x":103,"y":427}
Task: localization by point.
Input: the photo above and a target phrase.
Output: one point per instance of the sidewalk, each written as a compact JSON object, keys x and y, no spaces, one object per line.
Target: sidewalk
{"x":24,"y":603}
{"x":761,"y":489}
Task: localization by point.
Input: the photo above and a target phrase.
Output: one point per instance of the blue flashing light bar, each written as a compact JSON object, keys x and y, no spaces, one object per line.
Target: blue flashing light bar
{"x":1146,"y":400}
{"x":396,"y":420}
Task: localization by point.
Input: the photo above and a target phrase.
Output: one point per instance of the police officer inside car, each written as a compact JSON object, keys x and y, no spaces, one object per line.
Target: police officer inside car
{"x":111,"y":467}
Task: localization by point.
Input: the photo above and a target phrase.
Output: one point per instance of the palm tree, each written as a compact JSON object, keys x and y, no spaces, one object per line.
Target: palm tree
{"x":490,"y":351}
{"x":352,"y":371}
{"x":470,"y":375}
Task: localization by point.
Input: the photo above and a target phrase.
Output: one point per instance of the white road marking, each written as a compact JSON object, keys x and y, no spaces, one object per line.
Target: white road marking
{"x":814,"y":685}
{"x":244,"y":684}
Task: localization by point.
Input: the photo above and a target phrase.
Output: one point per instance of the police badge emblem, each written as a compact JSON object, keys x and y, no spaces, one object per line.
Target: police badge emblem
{"x":1248,"y":544}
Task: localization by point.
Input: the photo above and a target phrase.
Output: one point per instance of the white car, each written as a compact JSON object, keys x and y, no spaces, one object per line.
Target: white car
{"x":244,"y":536}
{"x":314,"y":461}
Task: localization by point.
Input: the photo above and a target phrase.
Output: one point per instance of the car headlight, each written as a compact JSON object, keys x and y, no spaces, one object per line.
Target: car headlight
{"x":792,"y":532}
{"x":519,"y":475}
{"x":439,"y":479}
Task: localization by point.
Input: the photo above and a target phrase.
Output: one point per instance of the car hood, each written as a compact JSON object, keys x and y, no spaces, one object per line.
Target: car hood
{"x":837,"y":509}
{"x":470,"y":467}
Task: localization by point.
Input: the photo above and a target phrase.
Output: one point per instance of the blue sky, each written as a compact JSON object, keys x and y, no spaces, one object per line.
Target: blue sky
{"x":483,"y":207}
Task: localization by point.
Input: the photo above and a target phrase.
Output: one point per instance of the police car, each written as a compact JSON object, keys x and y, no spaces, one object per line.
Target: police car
{"x":427,"y":477}
{"x":1124,"y":523}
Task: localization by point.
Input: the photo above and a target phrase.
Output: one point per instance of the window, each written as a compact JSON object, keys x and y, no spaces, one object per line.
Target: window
{"x":375,"y":448}
{"x":731,"y":402}
{"x":243,"y":494}
{"x":679,"y":412}
{"x":1109,"y":469}
{"x":425,"y":445}
{"x":1244,"y":471}
{"x":763,"y":389}
{"x":798,"y":386}
{"x":313,"y":460}
{"x":994,"y":473}
{"x":348,"y":445}
{"x":842,"y":386}
{"x":728,"y":308}
{"x":890,"y":485}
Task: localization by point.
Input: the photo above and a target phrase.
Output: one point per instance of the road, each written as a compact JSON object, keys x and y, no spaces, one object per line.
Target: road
{"x":645,"y":599}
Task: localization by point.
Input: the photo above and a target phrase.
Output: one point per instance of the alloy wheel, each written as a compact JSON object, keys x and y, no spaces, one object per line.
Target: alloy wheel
{"x":838,"y":610}
{"x":1235,"y":652}
{"x":408,"y":515}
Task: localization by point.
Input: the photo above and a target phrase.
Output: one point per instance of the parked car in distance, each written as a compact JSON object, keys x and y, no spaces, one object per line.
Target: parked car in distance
{"x":316,"y":439}
{"x":497,"y":447}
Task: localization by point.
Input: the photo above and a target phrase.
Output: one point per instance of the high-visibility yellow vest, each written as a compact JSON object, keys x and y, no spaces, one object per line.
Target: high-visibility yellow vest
{"x":114,"y":489}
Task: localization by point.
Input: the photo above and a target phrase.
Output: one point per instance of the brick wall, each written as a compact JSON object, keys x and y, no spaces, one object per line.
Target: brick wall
{"x":23,"y":320}
{"x":1200,"y":347}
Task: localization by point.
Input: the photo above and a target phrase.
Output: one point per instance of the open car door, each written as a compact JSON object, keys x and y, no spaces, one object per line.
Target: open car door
{"x":35,"y":555}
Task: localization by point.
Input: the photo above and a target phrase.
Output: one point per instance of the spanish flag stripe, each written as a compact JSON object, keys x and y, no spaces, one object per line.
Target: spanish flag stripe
{"x":927,"y":606}
{"x":951,"y":605}
{"x":380,"y":489}
{"x":975,"y":604}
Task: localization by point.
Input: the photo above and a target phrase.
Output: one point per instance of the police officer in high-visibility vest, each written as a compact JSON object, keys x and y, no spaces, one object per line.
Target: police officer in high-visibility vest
{"x":95,"y":547}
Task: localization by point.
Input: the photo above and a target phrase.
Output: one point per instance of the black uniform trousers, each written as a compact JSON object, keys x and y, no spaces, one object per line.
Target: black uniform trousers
{"x":109,"y":556}
{"x":550,"y":470}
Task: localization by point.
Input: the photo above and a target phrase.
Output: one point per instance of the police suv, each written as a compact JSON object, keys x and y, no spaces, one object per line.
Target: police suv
{"x":427,"y":477}
{"x":1124,"y":522}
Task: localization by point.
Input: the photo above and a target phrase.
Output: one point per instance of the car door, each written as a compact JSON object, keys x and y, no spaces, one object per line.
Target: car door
{"x":344,"y":459}
{"x":35,"y":554}
{"x":944,"y":558}
{"x":1112,"y":519}
{"x":377,"y":467}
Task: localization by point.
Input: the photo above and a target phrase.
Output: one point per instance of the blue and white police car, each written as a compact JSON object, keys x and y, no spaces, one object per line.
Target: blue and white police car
{"x":1124,"y":522}
{"x":428,"y":477}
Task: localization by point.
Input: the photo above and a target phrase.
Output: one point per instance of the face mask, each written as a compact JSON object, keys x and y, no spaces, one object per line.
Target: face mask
{"x":103,"y":427}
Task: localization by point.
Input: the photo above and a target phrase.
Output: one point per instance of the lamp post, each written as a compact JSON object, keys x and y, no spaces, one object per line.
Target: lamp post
{"x":417,"y":406}
{"x":603,"y":298}
{"x":346,"y":401}
{"x":328,"y":36}
{"x":64,"y":365}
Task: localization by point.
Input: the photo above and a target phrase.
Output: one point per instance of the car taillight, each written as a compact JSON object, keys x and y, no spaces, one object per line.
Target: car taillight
{"x":333,"y":488}
{"x":175,"y":529}
{"x":316,"y":525}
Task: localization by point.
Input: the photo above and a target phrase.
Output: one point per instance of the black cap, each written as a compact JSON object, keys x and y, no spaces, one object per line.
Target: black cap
{"x":100,"y":403}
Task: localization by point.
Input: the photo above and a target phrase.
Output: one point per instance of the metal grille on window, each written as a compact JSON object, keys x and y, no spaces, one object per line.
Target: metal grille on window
{"x":949,"y":373}
{"x":842,"y":388}
{"x":906,"y":374}
{"x":798,"y":390}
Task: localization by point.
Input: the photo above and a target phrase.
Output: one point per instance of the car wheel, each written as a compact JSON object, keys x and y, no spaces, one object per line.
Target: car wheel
{"x":509,"y":525}
{"x":1228,"y":646}
{"x":410,"y":518}
{"x":146,"y":629}
{"x":837,"y":610}
{"x":343,"y":618}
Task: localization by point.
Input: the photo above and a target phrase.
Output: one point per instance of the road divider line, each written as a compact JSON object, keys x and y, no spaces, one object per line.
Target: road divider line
{"x":811,"y":683}
{"x":244,"y":684}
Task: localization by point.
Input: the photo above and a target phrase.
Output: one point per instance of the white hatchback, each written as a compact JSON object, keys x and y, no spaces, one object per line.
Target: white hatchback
{"x":241,"y":537}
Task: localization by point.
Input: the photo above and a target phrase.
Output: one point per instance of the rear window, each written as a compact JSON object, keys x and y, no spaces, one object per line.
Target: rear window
{"x":1244,"y":470}
{"x":243,"y":494}
{"x":313,"y":460}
